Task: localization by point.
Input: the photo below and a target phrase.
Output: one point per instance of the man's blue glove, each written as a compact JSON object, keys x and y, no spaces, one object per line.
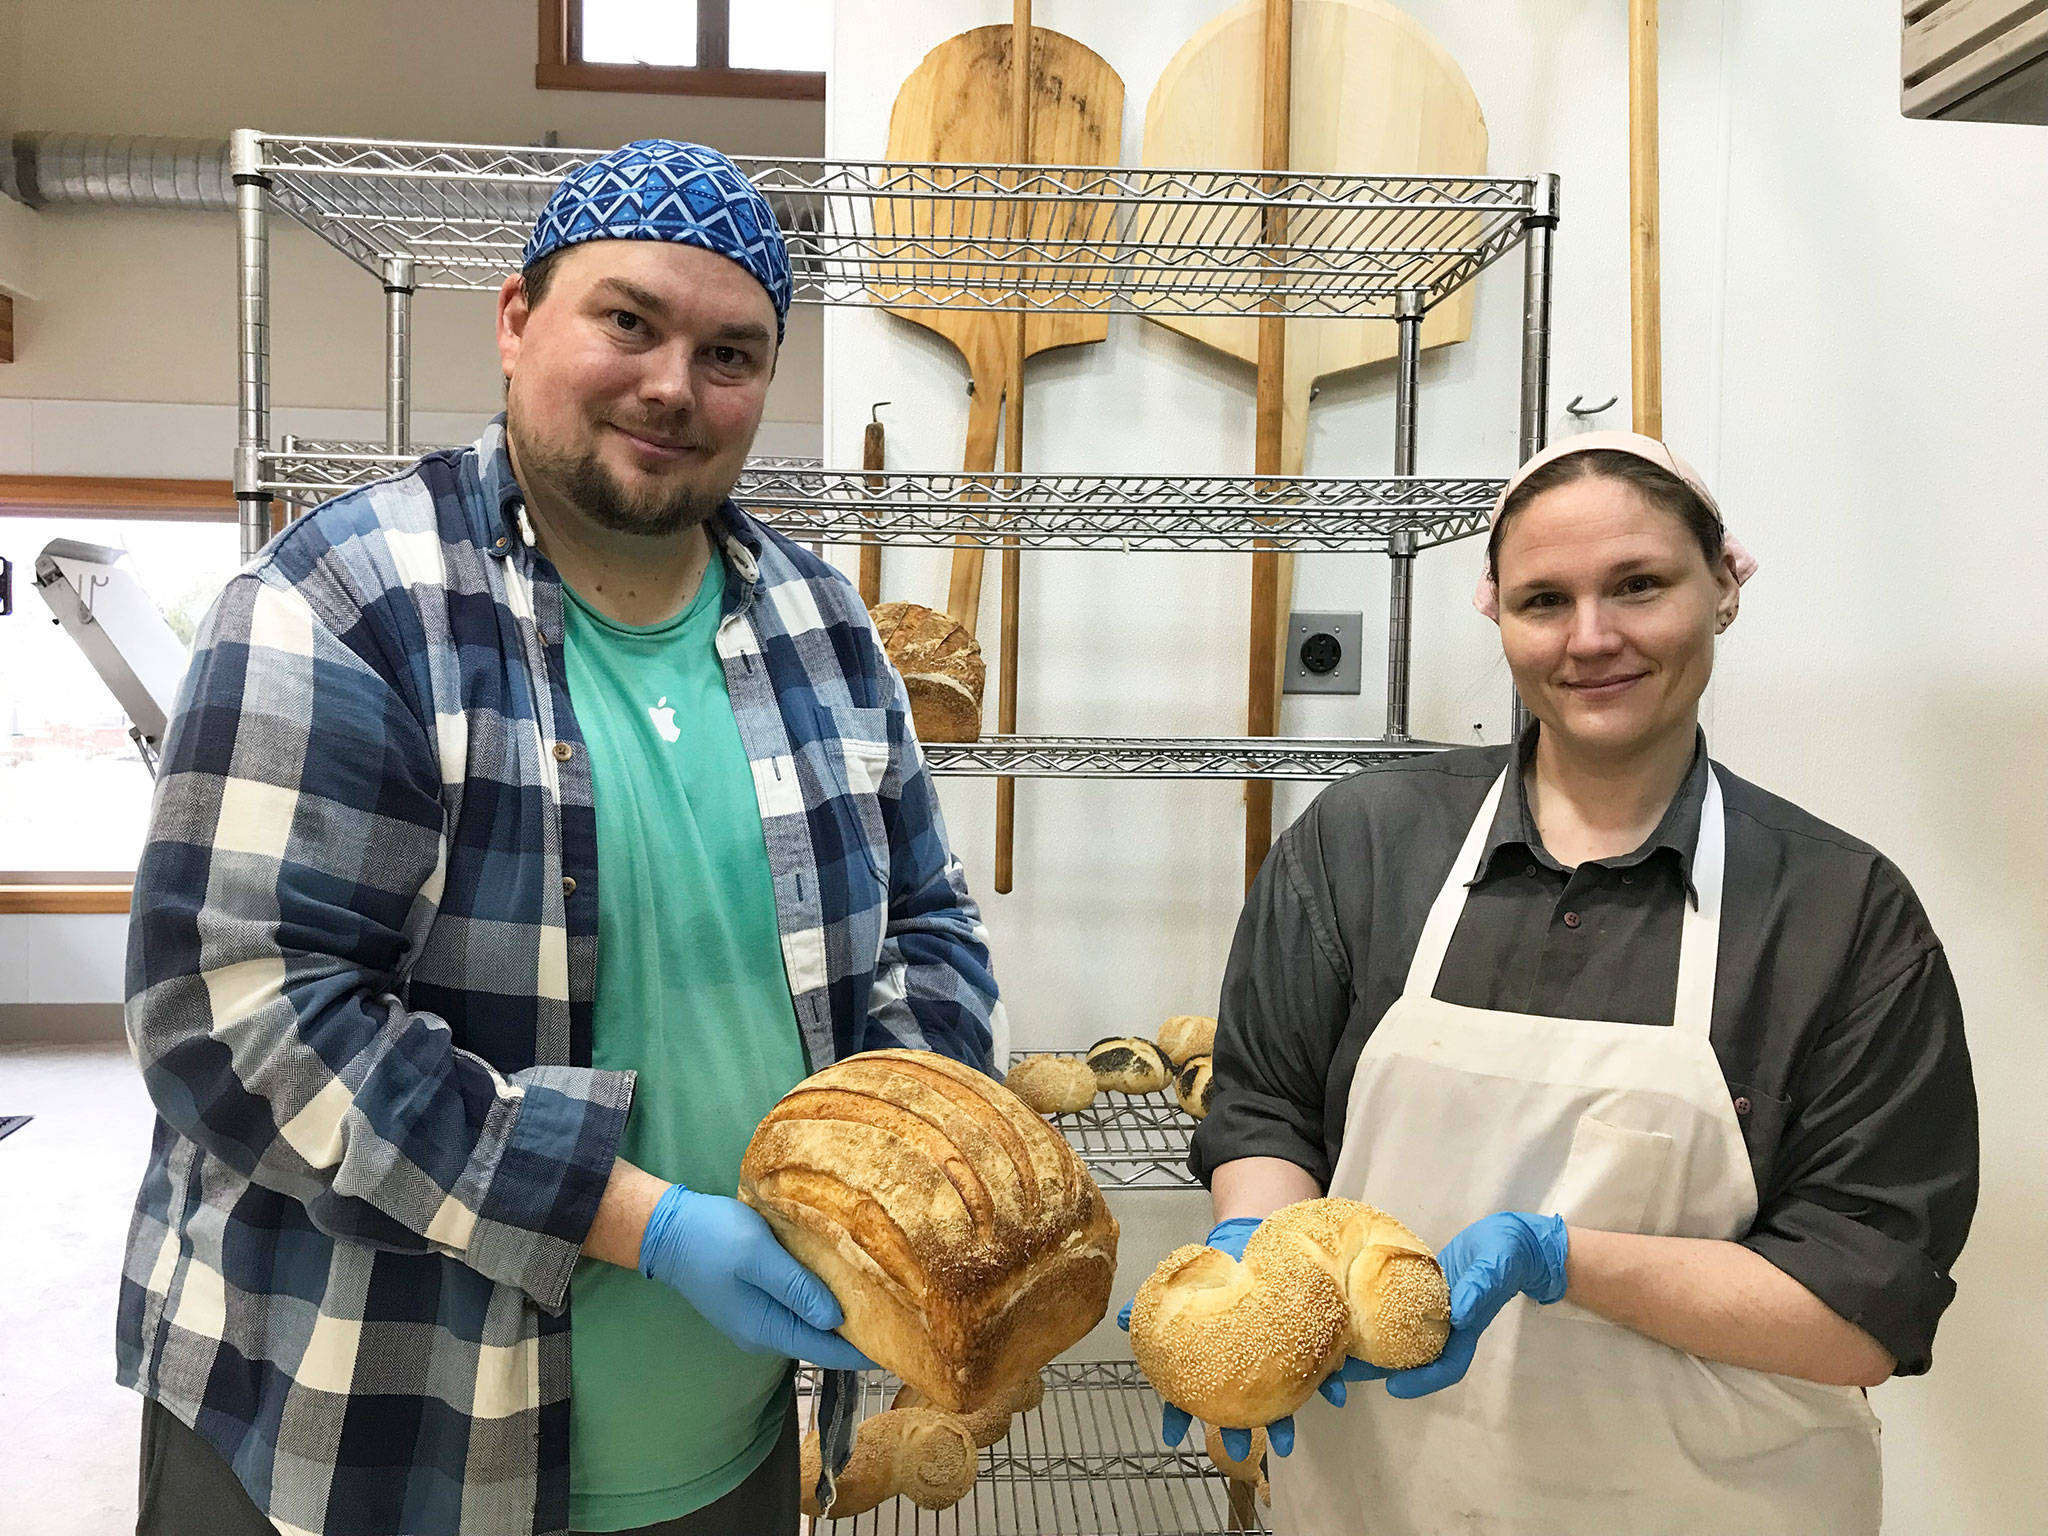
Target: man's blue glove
{"x":1231,"y":1236}
{"x":1488,"y":1265}
{"x":726,"y":1263}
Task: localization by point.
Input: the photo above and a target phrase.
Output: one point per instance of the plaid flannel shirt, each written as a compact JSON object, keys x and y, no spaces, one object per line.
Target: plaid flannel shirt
{"x":361,"y":970}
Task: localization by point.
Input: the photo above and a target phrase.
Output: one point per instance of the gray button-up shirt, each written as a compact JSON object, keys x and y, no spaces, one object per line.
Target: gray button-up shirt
{"x":1836,"y":1020}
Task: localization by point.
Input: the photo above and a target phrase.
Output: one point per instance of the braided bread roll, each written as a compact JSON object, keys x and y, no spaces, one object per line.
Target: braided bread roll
{"x":1251,"y":1471}
{"x":924,"y":1454}
{"x":962,"y":1236}
{"x":990,"y":1424}
{"x":1243,"y":1344}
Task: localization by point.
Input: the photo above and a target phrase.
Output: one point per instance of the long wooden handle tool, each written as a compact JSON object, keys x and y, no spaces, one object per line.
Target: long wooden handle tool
{"x":1262,"y":698}
{"x":1646,"y":291}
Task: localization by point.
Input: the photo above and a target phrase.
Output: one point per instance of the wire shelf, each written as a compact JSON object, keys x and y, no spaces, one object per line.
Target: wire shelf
{"x":1127,"y":1140}
{"x":1074,"y":239}
{"x":1132,"y":513}
{"x":1087,"y":1462}
{"x":1127,"y":757}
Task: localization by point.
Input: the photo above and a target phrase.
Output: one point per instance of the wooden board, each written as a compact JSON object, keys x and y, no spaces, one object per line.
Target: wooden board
{"x":1372,"y":93}
{"x":956,"y":106}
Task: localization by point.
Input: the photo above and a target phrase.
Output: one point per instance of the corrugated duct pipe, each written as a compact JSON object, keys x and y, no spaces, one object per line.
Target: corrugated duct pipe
{"x":111,"y":170}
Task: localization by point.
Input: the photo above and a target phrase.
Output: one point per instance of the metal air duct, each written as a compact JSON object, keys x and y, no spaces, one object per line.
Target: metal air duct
{"x":121,"y":171}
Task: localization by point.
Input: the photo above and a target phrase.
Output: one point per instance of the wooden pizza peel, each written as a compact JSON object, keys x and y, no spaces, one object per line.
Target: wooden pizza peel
{"x":1360,"y":88}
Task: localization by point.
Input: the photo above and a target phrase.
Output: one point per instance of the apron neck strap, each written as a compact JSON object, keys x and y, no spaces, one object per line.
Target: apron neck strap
{"x":1444,"y":912}
{"x":1699,"y":938}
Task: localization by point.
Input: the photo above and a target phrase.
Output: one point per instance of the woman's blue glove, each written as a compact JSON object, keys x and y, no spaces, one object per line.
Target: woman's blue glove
{"x":726,"y":1263}
{"x":1488,"y":1265}
{"x":1231,"y":1236}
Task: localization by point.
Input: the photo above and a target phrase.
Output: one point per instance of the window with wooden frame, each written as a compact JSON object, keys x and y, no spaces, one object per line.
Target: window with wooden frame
{"x":74,"y":792}
{"x":774,"y":48}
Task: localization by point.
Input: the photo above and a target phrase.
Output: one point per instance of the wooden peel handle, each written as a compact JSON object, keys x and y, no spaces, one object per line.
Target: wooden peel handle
{"x":1646,"y":290}
{"x":871,"y":455}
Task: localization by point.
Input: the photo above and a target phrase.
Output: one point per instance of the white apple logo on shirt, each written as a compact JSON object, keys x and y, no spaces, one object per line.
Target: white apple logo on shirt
{"x":664,"y":719}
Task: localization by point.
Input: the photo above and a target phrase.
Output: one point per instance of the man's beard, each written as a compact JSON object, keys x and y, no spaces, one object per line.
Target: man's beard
{"x":583,"y":481}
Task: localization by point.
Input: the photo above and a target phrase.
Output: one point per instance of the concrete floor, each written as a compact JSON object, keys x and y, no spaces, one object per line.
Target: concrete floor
{"x":68,"y":1435}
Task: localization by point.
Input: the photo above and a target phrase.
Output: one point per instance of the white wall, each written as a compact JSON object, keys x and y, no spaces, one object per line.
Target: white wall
{"x":1854,"y":329}
{"x":126,"y":361}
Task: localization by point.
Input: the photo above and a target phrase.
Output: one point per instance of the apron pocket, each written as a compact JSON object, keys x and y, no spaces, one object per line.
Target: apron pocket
{"x":1612,"y":1177}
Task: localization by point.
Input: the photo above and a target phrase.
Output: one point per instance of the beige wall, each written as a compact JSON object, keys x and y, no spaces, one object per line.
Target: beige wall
{"x":1855,"y":324}
{"x":10,"y":61}
{"x":140,"y":306}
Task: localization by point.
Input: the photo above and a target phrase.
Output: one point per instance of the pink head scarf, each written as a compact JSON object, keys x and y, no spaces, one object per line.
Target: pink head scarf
{"x":1487,"y":598}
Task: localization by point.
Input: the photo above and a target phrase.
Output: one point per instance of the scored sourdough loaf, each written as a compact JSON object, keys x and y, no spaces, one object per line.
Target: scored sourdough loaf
{"x":942,"y":667}
{"x":964,"y":1240}
{"x":1243,"y":1344}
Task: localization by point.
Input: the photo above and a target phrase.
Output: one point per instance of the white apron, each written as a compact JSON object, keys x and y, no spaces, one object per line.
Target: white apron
{"x":1567,"y":1423}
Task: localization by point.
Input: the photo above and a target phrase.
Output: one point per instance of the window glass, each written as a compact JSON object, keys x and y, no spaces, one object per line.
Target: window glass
{"x":794,"y":35}
{"x":641,"y":31}
{"x":74,"y":794}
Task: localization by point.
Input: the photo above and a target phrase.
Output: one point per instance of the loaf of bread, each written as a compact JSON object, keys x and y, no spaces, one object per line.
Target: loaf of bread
{"x":987,"y":1425}
{"x":1242,"y":1344}
{"x":916,"y":1450}
{"x":1251,"y":1471}
{"x":1185,"y":1035}
{"x":1053,"y":1085}
{"x":1129,"y":1064}
{"x":1193,"y":1085}
{"x":964,"y":1240}
{"x":923,"y":1454}
{"x":942,"y":669}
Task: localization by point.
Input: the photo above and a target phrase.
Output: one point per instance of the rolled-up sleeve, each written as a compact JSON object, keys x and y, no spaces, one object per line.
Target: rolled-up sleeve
{"x":1871,"y":1194}
{"x":1286,"y":996}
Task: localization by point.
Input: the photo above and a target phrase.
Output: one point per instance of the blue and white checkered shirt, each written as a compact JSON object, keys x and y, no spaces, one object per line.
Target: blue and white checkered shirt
{"x":361,"y":969}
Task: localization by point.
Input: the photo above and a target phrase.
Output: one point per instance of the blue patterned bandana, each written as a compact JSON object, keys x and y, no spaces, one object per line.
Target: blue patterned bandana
{"x":658,"y":189}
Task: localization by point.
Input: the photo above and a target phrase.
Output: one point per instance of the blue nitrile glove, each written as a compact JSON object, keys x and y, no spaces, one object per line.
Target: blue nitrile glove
{"x":726,"y":1263}
{"x":1231,"y":1236}
{"x":1488,"y":1265}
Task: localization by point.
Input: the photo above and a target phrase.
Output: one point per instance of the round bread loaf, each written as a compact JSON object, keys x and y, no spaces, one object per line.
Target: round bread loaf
{"x":1053,"y":1085}
{"x":1129,"y":1064}
{"x":942,"y":667}
{"x":1193,"y":1085}
{"x":1242,"y":1344}
{"x":1185,"y":1035}
{"x":962,"y":1236}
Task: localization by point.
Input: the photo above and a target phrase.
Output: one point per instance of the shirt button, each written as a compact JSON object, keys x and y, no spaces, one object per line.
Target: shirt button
{"x":1571,"y":919}
{"x":1628,"y":879}
{"x":563,"y":751}
{"x":1742,"y":1106}
{"x":568,"y":885}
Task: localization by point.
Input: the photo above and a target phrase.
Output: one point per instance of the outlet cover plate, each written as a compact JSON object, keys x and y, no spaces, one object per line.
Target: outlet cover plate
{"x":1347,"y":629}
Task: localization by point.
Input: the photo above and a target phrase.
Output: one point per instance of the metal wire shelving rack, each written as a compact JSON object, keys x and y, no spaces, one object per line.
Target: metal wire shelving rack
{"x":1128,"y":1140}
{"x":1121,"y":240}
{"x":1087,"y":1462}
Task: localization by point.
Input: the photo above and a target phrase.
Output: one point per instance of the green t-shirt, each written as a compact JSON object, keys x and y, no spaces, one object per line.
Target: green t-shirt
{"x":665,"y":1414}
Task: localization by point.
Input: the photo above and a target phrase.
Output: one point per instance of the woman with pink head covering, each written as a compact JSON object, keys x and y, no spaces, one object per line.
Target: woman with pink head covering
{"x":1674,"y":1071}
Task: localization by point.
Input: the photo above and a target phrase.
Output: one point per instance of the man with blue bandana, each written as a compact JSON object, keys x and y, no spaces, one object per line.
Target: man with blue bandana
{"x":531,"y":822}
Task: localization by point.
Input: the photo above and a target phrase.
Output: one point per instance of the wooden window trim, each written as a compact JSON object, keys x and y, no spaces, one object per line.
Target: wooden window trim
{"x":561,"y":66}
{"x":180,"y":501}
{"x":123,"y":499}
{"x":42,"y":900}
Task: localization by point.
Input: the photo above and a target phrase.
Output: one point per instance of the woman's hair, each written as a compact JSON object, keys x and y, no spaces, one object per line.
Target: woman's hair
{"x":1656,"y":485}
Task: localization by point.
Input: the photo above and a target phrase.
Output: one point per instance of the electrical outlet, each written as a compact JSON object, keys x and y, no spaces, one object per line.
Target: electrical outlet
{"x":1323,"y":652}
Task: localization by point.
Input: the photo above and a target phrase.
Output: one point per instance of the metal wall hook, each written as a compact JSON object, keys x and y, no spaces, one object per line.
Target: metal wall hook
{"x":874,"y":411}
{"x":1591,"y":410}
